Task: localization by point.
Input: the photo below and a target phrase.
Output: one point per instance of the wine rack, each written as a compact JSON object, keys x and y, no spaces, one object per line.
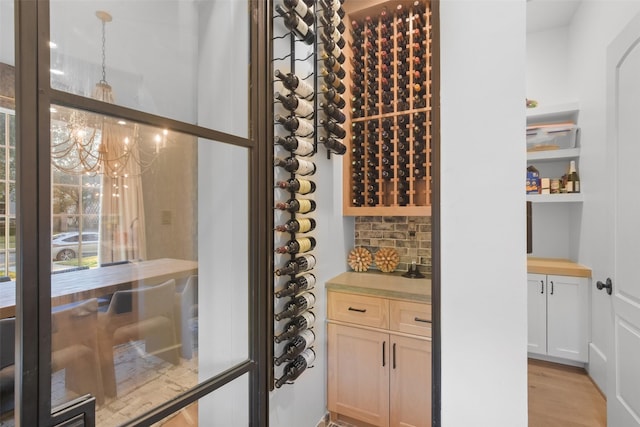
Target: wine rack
{"x":387,"y":169}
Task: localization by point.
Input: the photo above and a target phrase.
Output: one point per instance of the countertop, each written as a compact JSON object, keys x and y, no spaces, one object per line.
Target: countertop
{"x":387,"y":285}
{"x":561,"y":267}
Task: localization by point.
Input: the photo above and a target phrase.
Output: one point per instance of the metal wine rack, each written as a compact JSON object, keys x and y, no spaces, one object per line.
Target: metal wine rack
{"x":388,"y":166}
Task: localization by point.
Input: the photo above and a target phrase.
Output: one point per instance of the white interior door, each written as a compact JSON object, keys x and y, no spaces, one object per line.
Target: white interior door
{"x":623,"y":92}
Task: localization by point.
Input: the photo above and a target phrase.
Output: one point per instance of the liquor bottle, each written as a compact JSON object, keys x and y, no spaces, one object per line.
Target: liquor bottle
{"x":301,"y":245}
{"x":294,"y":369}
{"x":295,"y":84}
{"x":334,"y":112}
{"x":296,"y":306}
{"x":295,"y":326}
{"x":296,"y":105}
{"x":297,"y":285}
{"x":302,"y":225}
{"x":573,"y":180}
{"x":294,"y":23}
{"x":297,"y":185}
{"x":334,"y":128}
{"x":297,"y":265}
{"x":297,"y":205}
{"x":296,"y":165}
{"x":333,"y":65}
{"x":296,"y":346}
{"x":334,"y":50}
{"x":299,"y":126}
{"x":332,"y":95}
{"x":298,"y":146}
{"x":334,"y":145}
{"x":301,"y":9}
{"x":333,"y":80}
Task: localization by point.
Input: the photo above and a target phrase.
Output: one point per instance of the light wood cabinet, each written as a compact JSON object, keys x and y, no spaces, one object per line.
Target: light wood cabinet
{"x":558,"y":313}
{"x":379,"y":360}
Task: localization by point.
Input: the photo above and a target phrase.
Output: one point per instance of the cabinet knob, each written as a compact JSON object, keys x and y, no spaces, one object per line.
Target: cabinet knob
{"x":608,"y":285}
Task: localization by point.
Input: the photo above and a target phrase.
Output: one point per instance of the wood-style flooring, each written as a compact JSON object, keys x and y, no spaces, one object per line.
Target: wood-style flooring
{"x":563,"y":396}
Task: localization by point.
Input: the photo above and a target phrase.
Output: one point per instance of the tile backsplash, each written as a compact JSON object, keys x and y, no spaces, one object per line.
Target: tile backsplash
{"x":410,"y":236}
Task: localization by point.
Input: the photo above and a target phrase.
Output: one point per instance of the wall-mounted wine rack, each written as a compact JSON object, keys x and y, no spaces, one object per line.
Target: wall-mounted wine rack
{"x":387,"y":170}
{"x":299,"y":113}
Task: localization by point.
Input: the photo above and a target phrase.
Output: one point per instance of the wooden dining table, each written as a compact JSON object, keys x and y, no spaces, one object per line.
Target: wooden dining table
{"x":80,"y":285}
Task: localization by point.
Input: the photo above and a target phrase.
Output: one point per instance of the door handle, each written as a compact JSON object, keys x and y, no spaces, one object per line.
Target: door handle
{"x":552,"y":287}
{"x":542,"y":286}
{"x":384,"y":344}
{"x":394,"y":355}
{"x":608,"y":285}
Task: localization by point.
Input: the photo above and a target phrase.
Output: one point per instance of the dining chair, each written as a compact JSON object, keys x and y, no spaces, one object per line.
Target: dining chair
{"x":145,"y":314}
{"x":7,"y":364}
{"x":74,"y":347}
{"x":186,"y":311}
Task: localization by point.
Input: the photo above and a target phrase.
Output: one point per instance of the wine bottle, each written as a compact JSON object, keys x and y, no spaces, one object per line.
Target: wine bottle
{"x":296,"y":346}
{"x":294,"y":369}
{"x":295,"y":84}
{"x":294,"y":23}
{"x":296,"y":306}
{"x":334,"y":112}
{"x":358,"y":200}
{"x":297,"y":265}
{"x":335,"y":22}
{"x":297,"y":185}
{"x":294,"y":246}
{"x":334,"y":145}
{"x":339,"y":42}
{"x":297,"y":205}
{"x":332,"y":95}
{"x":332,"y":33}
{"x":298,"y":146}
{"x":295,"y":326}
{"x":302,"y":225}
{"x":297,"y":285}
{"x":334,"y":128}
{"x":573,"y":180}
{"x":334,"y":50}
{"x":333,"y":65}
{"x":297,"y":125}
{"x":335,"y":82}
{"x":297,"y":106}
{"x":296,"y":165}
{"x":301,"y":9}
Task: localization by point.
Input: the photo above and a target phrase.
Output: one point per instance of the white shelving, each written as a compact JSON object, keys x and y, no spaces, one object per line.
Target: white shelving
{"x":555,"y":198}
{"x":553,"y":155}
{"x":553,"y":113}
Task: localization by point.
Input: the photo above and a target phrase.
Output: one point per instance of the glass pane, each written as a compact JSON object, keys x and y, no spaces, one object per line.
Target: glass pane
{"x":3,"y":163}
{"x":159,"y":57}
{"x":128,"y":234}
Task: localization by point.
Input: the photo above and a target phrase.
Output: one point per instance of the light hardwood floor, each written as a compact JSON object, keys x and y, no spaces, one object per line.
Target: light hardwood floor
{"x":563,"y":396}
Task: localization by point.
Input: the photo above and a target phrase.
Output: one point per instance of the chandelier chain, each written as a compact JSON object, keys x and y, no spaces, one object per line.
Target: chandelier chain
{"x":104,"y":53}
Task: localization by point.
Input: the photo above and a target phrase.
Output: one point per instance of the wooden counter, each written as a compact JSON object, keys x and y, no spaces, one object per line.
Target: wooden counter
{"x":561,"y":267}
{"x":386,"y":285}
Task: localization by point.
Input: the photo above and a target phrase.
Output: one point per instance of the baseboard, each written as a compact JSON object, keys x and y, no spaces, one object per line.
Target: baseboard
{"x":597,"y":368}
{"x":324,"y":421}
{"x":557,"y":360}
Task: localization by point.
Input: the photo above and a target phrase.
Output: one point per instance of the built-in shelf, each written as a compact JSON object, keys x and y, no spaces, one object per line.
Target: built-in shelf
{"x":555,"y":198}
{"x":559,"y":113}
{"x":551,"y":155}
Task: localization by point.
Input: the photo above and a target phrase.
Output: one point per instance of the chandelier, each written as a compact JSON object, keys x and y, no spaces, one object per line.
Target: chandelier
{"x":92,"y":144}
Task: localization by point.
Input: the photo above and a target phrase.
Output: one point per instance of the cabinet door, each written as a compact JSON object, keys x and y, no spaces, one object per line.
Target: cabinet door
{"x":358,"y":373}
{"x":410,"y":382}
{"x":537,"y":313}
{"x":567,"y":316}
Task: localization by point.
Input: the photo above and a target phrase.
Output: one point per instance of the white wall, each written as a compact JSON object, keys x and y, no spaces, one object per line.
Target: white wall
{"x":547,"y":67}
{"x":484,"y":364}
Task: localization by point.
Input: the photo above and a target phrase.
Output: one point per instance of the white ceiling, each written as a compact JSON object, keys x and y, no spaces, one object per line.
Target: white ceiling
{"x":547,"y":14}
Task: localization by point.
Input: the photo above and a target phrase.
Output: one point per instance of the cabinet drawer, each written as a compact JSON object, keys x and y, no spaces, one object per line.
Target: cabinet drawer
{"x":410,"y":317}
{"x":359,"y":309}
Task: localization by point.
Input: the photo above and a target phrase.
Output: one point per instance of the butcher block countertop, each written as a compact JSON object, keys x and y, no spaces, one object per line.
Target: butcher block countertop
{"x":561,"y":267}
{"x":387,"y":285}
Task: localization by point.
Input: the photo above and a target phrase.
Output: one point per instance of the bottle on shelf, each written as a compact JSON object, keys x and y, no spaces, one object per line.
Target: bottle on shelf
{"x":297,"y":185}
{"x":573,"y":180}
{"x":333,"y":111}
{"x":296,"y":346}
{"x":297,"y":205}
{"x":294,"y":23}
{"x":297,"y":145}
{"x":303,"y":11}
{"x":296,"y":325}
{"x":333,"y":96}
{"x":296,"y":306}
{"x":297,"y":106}
{"x":339,"y":42}
{"x":334,"y":50}
{"x":297,"y":265}
{"x":301,"y":225}
{"x":295,"y":84}
{"x":296,"y":165}
{"x":299,"y":126}
{"x":333,"y":80}
{"x":358,"y":200}
{"x":334,"y":128}
{"x":294,"y":246}
{"x":296,"y":285}
{"x":294,"y":369}
{"x":333,"y":65}
{"x":333,"y":145}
